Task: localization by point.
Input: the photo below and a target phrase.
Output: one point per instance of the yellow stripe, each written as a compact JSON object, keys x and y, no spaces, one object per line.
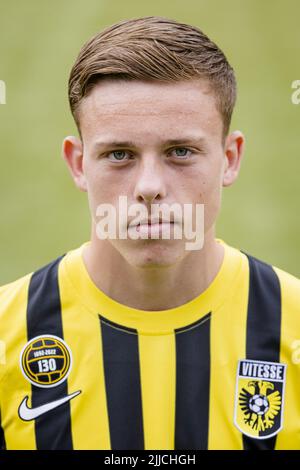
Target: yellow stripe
{"x":228,"y":334}
{"x":19,"y":435}
{"x":157,"y":364}
{"x":89,"y":417}
{"x":289,"y":437}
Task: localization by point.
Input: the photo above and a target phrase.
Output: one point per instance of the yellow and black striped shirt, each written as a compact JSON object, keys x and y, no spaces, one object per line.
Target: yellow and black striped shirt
{"x":79,"y":370}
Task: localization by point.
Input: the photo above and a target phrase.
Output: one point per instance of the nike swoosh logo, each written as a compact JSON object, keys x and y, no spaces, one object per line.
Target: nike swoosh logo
{"x":28,"y":414}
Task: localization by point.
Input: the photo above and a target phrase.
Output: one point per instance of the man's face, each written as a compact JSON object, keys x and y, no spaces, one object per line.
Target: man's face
{"x":171,"y":151}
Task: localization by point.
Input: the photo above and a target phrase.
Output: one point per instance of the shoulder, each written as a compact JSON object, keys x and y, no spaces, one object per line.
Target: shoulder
{"x":290,"y":288}
{"x":270,"y":277}
{"x":16,"y":292}
{"x":286,"y":279}
{"x":13,"y":292}
{"x":14,"y":302}
{"x":13,"y":305}
{"x":14,"y":295}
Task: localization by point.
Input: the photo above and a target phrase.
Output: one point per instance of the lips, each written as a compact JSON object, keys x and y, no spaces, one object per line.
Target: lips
{"x":153,"y":228}
{"x":150,"y":222}
{"x":155,"y":223}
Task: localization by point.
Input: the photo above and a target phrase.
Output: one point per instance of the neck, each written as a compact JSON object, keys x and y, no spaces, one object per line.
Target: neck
{"x":153,"y":288}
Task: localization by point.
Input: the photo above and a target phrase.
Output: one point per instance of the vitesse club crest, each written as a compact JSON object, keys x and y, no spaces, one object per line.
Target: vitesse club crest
{"x":259,"y":398}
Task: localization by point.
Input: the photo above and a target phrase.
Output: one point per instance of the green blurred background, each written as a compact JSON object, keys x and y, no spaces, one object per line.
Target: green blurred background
{"x":42,"y":213}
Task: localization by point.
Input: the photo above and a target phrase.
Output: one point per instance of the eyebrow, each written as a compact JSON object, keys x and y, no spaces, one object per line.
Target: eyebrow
{"x":129,"y":143}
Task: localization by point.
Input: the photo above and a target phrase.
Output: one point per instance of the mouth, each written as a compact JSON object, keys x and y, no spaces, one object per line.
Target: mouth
{"x":153,"y":228}
{"x":152,"y":222}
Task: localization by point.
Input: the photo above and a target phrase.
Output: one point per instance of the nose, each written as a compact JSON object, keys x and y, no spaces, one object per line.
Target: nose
{"x":150,"y":182}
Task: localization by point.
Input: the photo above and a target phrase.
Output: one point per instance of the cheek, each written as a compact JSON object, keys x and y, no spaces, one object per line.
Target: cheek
{"x":106,"y":189}
{"x":212,"y":204}
{"x":204,"y":189}
{"x":99,"y":184}
{"x":207,"y":190}
{"x":211,"y":181}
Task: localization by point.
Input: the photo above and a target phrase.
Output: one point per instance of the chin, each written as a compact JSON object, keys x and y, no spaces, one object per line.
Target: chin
{"x":157,"y":257}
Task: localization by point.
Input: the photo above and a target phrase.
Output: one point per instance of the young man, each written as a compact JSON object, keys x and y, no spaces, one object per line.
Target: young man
{"x":134,"y":342}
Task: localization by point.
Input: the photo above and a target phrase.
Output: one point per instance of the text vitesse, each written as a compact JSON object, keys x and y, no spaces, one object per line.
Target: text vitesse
{"x":261,"y":371}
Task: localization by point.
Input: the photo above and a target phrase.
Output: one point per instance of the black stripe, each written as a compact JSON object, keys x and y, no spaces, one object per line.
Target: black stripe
{"x":123,"y":386}
{"x":116,"y":325}
{"x":263,"y":327}
{"x":2,"y":437}
{"x":192,"y":385}
{"x":53,"y":429}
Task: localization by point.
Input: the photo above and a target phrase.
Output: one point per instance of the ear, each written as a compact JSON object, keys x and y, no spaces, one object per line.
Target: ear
{"x":234,"y":150}
{"x":72,"y":153}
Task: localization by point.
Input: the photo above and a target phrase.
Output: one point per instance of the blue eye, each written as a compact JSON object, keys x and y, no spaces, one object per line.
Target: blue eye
{"x":118,"y":154}
{"x":181,"y":151}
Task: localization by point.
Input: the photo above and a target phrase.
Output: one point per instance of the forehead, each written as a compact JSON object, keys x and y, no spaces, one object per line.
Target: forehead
{"x":149,"y":109}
